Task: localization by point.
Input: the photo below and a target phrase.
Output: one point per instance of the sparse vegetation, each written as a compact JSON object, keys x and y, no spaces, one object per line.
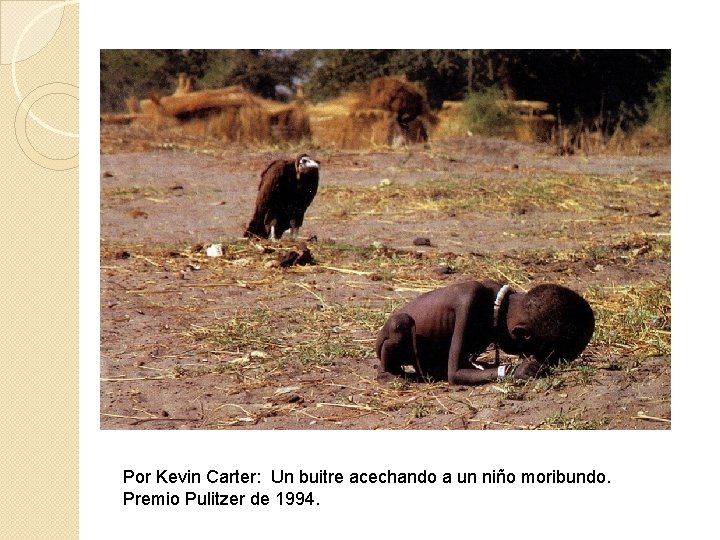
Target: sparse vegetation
{"x":249,"y":344}
{"x":572,"y":419}
{"x":573,"y":194}
{"x":635,"y":318}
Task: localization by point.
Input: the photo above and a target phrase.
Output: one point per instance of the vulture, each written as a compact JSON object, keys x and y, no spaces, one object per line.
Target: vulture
{"x":287,"y":187}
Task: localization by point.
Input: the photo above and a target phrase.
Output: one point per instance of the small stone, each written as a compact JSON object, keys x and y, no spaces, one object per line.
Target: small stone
{"x":137,"y":213}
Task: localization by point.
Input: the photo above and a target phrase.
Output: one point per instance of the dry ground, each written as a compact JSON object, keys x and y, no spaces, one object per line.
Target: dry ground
{"x":193,"y":342}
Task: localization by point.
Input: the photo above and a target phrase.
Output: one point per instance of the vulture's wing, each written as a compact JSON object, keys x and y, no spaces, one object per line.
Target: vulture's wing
{"x":270,"y":187}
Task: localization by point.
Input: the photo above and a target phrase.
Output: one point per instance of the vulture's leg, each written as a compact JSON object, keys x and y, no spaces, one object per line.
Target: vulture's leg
{"x":272,"y":222}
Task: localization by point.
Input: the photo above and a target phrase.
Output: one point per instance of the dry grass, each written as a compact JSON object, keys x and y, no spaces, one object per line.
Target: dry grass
{"x":226,"y":114}
{"x":309,"y":336}
{"x":355,"y":120}
{"x":632,"y":319}
{"x":574,"y":194}
{"x":368,"y":119}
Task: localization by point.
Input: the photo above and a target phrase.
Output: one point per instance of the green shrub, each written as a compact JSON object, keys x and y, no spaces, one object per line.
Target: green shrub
{"x":484,"y":116}
{"x":659,"y":105}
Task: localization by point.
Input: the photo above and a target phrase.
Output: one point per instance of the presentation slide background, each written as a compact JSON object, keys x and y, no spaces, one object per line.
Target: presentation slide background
{"x":658,"y":480}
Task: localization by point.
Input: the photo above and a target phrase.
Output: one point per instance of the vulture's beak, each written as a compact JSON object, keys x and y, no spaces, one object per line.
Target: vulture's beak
{"x":310,"y":164}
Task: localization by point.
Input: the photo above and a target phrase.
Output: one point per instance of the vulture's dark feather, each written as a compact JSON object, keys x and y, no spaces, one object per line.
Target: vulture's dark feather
{"x":287,"y":187}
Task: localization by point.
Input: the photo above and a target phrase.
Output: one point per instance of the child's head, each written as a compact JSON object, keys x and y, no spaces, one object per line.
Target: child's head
{"x":554,"y":323}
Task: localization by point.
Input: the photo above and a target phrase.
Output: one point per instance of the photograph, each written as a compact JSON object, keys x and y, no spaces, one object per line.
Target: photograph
{"x":384,"y":239}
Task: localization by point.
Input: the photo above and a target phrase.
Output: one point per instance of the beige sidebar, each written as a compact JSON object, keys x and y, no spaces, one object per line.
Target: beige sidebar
{"x":39,"y":112}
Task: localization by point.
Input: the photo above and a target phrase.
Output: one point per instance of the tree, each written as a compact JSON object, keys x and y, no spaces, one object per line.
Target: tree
{"x":126,"y":73}
{"x":443,"y":72}
{"x":603,"y":89}
{"x":330,"y":72}
{"x":658,"y":106}
{"x":258,"y":70}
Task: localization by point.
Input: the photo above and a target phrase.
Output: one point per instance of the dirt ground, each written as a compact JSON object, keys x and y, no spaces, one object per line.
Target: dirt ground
{"x":190,"y":341}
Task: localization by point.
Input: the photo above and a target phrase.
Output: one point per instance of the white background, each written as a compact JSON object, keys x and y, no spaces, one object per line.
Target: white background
{"x":658,"y":481}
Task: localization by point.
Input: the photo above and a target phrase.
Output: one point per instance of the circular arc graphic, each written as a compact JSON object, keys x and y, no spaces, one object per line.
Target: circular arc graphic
{"x":21,"y":118}
{"x":16,"y":51}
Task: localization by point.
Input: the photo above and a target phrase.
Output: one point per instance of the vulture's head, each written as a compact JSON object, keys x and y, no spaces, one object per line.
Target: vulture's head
{"x":305,"y":163}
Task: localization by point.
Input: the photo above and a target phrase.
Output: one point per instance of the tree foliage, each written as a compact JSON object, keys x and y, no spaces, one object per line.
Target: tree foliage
{"x":659,"y":105}
{"x":603,"y":89}
{"x":330,"y":72}
{"x":125,"y":73}
{"x":260,"y":71}
{"x":599,"y":88}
